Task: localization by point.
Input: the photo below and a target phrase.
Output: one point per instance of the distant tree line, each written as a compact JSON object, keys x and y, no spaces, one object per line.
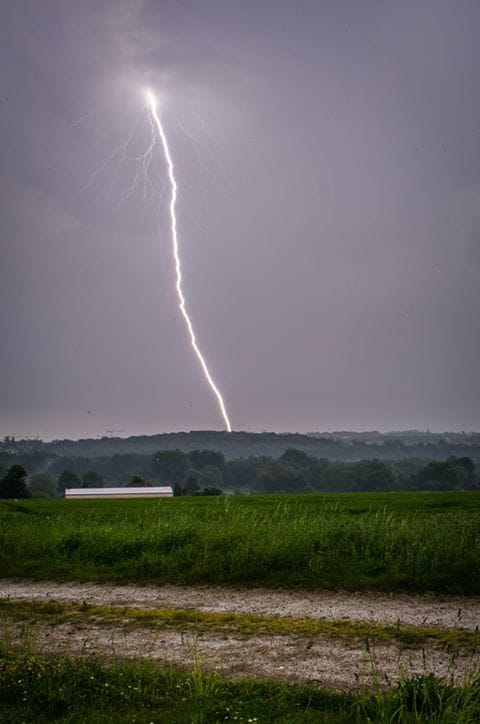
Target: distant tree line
{"x":207,"y":472}
{"x":341,"y":446}
{"x":296,"y":472}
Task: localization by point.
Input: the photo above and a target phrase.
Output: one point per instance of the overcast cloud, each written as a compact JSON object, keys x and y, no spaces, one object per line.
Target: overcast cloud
{"x":329,"y":217}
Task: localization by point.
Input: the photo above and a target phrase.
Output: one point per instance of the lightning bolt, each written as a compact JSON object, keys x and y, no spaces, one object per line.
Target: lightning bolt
{"x":153,"y":110}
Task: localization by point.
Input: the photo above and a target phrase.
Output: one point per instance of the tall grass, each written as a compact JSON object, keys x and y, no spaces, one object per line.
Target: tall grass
{"x":38,"y":689}
{"x":415,"y":542}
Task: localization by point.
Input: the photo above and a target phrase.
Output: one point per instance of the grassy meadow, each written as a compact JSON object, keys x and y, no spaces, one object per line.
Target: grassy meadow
{"x":61,"y":689}
{"x":389,"y":541}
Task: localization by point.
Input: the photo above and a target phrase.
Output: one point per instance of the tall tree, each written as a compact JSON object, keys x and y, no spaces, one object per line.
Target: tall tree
{"x":14,"y":483}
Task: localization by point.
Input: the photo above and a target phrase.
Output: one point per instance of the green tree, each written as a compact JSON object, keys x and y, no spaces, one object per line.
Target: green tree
{"x":282,"y":477}
{"x":6,"y":459}
{"x":465,"y":471}
{"x":200,"y":459}
{"x":42,"y":485}
{"x":190,"y":482}
{"x":177,"y":490}
{"x":91,"y":479}
{"x":438,"y":475}
{"x":14,"y":483}
{"x":67,"y":479}
{"x":137,"y":479}
{"x":374,"y":475}
{"x":170,"y":465}
{"x":211,"y":477}
{"x":296,"y":457}
{"x":243,"y":472}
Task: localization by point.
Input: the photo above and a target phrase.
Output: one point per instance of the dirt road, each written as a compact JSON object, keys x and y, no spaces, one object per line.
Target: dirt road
{"x":387,"y":609}
{"x":329,"y":660}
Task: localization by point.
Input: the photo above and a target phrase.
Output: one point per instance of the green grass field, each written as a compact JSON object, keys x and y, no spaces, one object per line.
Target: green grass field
{"x":391,"y":541}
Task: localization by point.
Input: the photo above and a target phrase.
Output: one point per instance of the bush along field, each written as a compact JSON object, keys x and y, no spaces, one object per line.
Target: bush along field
{"x":379,"y":541}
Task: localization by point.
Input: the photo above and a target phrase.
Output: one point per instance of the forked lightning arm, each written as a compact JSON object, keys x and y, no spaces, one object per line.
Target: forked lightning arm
{"x":152,"y":105}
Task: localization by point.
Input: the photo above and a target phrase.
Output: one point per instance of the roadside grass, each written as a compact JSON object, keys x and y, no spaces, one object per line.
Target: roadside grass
{"x":34,"y":688}
{"x":385,"y":541}
{"x":52,"y":613}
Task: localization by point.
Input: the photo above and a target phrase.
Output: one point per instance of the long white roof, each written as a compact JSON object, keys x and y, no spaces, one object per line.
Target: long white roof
{"x":120,"y":491}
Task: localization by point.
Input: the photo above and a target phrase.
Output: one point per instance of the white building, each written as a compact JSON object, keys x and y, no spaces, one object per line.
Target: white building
{"x":129,"y":492}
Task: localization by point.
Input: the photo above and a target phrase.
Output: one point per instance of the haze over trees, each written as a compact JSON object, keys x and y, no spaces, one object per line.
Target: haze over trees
{"x":293,"y":472}
{"x":326,"y":464}
{"x":343,"y":445}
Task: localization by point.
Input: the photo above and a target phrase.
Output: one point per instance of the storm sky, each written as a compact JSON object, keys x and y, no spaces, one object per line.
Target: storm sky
{"x":328,"y":158}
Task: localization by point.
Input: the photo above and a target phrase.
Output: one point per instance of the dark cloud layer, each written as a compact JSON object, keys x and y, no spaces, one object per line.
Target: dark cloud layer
{"x":329,"y":217}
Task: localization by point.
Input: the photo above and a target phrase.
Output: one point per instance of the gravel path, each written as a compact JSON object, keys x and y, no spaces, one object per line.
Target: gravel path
{"x":332,"y":662}
{"x":388,"y":609}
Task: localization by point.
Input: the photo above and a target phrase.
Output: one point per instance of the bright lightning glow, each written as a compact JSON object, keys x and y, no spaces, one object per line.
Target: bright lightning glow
{"x":152,"y":105}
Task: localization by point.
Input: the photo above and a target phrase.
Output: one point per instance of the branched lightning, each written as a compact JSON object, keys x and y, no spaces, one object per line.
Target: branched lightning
{"x":142,"y":162}
{"x":204,"y":170}
{"x":152,"y":105}
{"x":146,"y":178}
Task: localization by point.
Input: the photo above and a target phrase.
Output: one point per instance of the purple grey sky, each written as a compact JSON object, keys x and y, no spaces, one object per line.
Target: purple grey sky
{"x":329,"y":217}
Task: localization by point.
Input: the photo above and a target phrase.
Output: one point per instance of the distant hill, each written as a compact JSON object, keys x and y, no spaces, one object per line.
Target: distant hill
{"x":342,"y":445}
